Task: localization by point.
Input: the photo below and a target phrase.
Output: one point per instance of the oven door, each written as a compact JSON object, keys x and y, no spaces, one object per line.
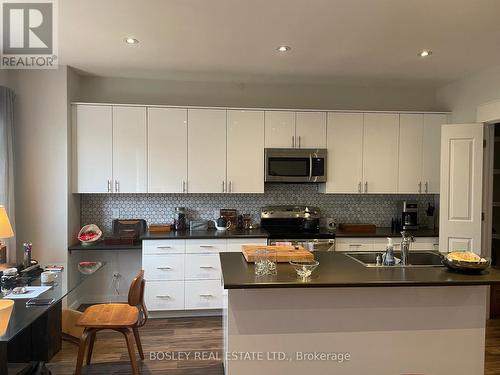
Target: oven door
{"x":311,"y":245}
{"x":295,"y":165}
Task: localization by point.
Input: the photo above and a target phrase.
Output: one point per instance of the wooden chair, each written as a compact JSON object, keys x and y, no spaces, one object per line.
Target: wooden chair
{"x":120,"y":317}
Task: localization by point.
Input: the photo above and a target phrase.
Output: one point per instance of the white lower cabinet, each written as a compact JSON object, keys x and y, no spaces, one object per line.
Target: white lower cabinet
{"x":163,"y":267}
{"x":378,"y":244}
{"x":354,"y":244}
{"x":203,"y":294}
{"x":202,"y":266}
{"x":186,"y":274}
{"x":164,"y":295}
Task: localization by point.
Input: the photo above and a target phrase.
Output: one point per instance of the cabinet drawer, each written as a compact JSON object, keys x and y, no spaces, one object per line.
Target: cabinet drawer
{"x":203,"y":294}
{"x":164,"y":246}
{"x":205,"y":246}
{"x":354,"y":244}
{"x":202,"y":266}
{"x":163,"y":267}
{"x":426,"y":243}
{"x":234,"y":244}
{"x":164,"y":295}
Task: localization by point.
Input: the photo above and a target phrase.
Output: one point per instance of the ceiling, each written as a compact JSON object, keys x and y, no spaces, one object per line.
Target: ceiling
{"x":235,"y":40}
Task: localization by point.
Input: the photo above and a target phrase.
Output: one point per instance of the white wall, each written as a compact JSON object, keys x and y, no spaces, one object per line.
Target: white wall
{"x":41,"y":162}
{"x":369,"y":96}
{"x":462,"y":97}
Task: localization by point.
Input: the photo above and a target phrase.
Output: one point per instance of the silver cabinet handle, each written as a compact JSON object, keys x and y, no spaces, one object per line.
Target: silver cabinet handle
{"x":164,"y":247}
{"x":293,"y":141}
{"x":300,"y":138}
{"x":354,"y":245}
{"x":183,"y":186}
{"x":206,"y":295}
{"x":117,"y":186}
{"x":207,"y":246}
{"x":426,"y":186}
{"x":366,"y":187}
{"x":163,"y":296}
{"x":207,"y":267}
{"x":359,"y":187}
{"x":163,"y":268}
{"x":230,"y":186}
{"x":420,"y":187}
{"x":223,"y":186}
{"x":109,"y":186}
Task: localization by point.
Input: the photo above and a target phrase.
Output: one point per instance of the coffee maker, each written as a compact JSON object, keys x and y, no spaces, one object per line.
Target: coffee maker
{"x":409,"y":215}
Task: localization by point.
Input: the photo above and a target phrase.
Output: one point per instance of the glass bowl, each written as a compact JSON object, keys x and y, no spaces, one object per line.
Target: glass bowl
{"x":88,"y":268}
{"x":304,"y":268}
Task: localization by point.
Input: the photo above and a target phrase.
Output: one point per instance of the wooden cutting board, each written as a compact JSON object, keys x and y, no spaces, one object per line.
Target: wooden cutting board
{"x":283,"y":253}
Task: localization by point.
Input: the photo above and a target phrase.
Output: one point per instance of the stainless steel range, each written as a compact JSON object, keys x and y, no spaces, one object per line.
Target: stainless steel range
{"x":296,"y":225}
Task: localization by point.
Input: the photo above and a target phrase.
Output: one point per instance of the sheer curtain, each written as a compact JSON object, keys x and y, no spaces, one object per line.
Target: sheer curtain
{"x":7,"y":97}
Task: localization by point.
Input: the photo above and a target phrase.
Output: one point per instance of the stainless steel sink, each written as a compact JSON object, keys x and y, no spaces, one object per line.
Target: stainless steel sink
{"x":415,"y":259}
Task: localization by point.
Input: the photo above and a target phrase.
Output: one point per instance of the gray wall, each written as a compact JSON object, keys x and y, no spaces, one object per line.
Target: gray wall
{"x":366,"y":96}
{"x":41,"y":162}
{"x":463,"y":97}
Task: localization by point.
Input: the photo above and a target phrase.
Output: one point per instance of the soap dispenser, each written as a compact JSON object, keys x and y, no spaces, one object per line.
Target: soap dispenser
{"x":388,"y":258}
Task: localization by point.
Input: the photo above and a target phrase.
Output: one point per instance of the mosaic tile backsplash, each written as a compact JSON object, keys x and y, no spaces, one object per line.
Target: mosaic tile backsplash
{"x":376,"y":209}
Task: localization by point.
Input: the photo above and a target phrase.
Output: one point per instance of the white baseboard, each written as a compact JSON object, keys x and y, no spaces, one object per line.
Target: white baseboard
{"x":184,"y":313}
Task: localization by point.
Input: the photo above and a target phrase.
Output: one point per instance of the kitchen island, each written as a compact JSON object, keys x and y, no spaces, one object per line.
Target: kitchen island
{"x":347,"y":318}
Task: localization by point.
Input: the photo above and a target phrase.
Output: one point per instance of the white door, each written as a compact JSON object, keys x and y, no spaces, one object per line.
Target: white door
{"x":94,"y":148}
{"x":432,"y":151}
{"x":410,"y":153}
{"x":380,"y":152}
{"x":129,"y":149}
{"x":345,"y":152}
{"x":310,"y":130}
{"x":167,"y":150}
{"x":280,"y":129}
{"x":245,"y":151}
{"x":206,"y":151}
{"x":461,"y":187}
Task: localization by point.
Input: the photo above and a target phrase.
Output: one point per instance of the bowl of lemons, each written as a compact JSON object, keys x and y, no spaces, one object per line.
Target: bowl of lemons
{"x":465,"y":262}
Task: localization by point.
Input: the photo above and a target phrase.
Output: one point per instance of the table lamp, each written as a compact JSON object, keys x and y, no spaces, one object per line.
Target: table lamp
{"x":5,"y":232}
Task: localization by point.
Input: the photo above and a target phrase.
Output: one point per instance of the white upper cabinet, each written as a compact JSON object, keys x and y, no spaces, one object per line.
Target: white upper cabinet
{"x":129,"y":149}
{"x":207,"y":151}
{"x":345,"y":152}
{"x":411,"y":130}
{"x":432,"y":151}
{"x":93,"y":127}
{"x":280,"y":129}
{"x":167,"y":150}
{"x":380,"y":152}
{"x":310,"y":130}
{"x":245,"y":151}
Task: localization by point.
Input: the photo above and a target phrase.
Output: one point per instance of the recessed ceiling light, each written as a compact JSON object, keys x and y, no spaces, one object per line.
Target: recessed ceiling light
{"x":283,"y":48}
{"x":425,"y":53}
{"x":130,"y":40}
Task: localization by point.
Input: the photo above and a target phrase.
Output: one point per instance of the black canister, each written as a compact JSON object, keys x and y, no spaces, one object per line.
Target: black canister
{"x":180,"y":220}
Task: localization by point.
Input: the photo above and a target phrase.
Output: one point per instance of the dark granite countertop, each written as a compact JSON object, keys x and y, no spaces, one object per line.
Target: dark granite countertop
{"x":337,"y":270}
{"x":388,"y":232}
{"x":101,"y":246}
{"x":206,"y":234}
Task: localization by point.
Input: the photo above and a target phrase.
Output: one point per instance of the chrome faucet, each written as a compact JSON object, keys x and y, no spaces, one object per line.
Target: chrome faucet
{"x":405,"y":247}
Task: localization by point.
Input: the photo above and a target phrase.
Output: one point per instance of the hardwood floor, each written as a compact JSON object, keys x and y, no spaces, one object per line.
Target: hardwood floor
{"x":110,"y":354}
{"x":190,"y":334}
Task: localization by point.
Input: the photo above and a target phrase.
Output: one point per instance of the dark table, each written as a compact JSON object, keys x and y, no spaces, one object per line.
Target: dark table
{"x":34,"y":333}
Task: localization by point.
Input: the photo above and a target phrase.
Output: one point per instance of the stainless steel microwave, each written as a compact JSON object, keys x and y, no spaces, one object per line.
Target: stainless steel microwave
{"x":295,"y":165}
